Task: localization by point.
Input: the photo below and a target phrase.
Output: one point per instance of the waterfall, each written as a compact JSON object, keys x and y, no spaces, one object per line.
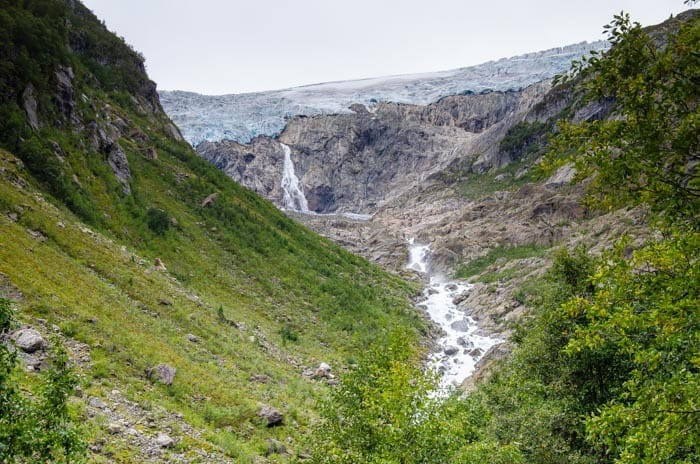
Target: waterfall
{"x":294,"y":198}
{"x":461,"y":346}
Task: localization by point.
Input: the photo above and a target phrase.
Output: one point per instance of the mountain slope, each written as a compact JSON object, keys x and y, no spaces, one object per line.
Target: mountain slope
{"x":117,"y":238}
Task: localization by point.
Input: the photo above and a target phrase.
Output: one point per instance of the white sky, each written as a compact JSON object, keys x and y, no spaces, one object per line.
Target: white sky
{"x":219,"y":46}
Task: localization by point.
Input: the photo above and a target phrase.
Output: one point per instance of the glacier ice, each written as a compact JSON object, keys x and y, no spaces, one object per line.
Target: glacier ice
{"x":241,"y":117}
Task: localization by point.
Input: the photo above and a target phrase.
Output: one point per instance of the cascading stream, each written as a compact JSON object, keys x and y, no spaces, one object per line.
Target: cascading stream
{"x":461,"y":346}
{"x":294,"y":198}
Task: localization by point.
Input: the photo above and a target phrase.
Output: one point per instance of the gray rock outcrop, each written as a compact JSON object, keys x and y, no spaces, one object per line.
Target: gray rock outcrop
{"x":30,"y":106}
{"x":358,"y":162}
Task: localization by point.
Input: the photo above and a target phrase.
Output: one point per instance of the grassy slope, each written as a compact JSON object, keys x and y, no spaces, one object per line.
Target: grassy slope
{"x":289,"y":298}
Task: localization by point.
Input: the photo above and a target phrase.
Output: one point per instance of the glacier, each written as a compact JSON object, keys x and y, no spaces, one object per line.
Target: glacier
{"x":241,"y":117}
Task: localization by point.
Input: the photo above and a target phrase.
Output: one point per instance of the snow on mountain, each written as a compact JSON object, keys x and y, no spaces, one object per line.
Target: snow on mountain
{"x":241,"y":117}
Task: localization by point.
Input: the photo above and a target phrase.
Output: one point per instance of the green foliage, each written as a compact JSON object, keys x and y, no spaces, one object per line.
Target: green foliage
{"x":645,"y":309}
{"x":288,"y":333}
{"x":37,"y":427}
{"x":524,"y":138}
{"x":158,"y":220}
{"x":382,"y":412}
{"x":647,"y":153}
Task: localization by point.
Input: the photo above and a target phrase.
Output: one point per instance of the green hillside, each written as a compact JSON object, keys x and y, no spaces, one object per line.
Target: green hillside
{"x":97,"y":188}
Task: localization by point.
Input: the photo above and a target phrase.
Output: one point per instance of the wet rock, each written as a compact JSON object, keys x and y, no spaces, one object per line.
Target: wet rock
{"x":451,"y":350}
{"x":28,"y":340}
{"x":476,"y":352}
{"x":461,"y":325}
{"x":271,"y":416}
{"x":463,"y":342}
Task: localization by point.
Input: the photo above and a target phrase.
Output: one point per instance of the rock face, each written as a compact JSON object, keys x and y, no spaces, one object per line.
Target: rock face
{"x":29,"y":104}
{"x":360,"y":161}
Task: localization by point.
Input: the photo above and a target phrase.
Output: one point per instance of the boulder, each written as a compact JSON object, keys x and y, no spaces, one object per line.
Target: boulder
{"x":274,"y":447}
{"x":162,"y":372}
{"x":164,"y":440}
{"x":29,"y":340}
{"x":271,"y":416}
{"x":158,"y":264}
{"x":451,"y":350}
{"x":206,"y":203}
{"x":461,"y":325}
{"x":323,"y":371}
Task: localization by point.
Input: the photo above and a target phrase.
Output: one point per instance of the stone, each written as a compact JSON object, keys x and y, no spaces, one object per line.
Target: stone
{"x":323,"y":371}
{"x":207,"y":202}
{"x":260,"y":378}
{"x":274,"y":447}
{"x":191,"y":337}
{"x":151,"y":154}
{"x":164,"y":440}
{"x":461,"y":325}
{"x":162,"y":372}
{"x":476,"y":352}
{"x":271,"y":416}
{"x":451,"y":350}
{"x":96,"y":402}
{"x":29,"y":340}
{"x":114,"y":428}
{"x":158,"y":264}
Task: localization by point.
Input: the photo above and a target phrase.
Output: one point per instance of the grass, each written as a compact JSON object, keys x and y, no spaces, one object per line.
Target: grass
{"x":285,"y":294}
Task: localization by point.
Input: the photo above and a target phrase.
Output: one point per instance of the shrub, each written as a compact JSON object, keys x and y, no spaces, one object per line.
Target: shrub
{"x":158,"y":220}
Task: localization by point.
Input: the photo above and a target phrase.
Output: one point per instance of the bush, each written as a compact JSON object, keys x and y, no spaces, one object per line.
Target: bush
{"x":37,"y":426}
{"x":158,"y":220}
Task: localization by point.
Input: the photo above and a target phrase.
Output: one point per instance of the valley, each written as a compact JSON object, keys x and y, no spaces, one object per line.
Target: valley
{"x":488,"y":264}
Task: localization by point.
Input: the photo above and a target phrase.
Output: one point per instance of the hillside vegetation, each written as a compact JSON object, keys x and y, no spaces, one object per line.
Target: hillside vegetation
{"x":119,"y":240}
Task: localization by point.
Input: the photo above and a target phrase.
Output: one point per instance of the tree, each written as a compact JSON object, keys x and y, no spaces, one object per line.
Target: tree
{"x":384,"y":411}
{"x":648,"y":152}
{"x":38,"y":427}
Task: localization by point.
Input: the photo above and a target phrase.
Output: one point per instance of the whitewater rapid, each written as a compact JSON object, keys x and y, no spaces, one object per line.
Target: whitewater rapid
{"x":462,"y":345}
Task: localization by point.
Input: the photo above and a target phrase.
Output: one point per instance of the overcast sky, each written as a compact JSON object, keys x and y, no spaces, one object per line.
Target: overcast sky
{"x":218,"y":46}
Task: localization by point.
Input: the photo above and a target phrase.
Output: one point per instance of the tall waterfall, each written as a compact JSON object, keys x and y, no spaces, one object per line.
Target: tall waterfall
{"x":294,"y":198}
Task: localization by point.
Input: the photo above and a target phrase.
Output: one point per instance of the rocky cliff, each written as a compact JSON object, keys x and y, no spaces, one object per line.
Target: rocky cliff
{"x":361,"y":161}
